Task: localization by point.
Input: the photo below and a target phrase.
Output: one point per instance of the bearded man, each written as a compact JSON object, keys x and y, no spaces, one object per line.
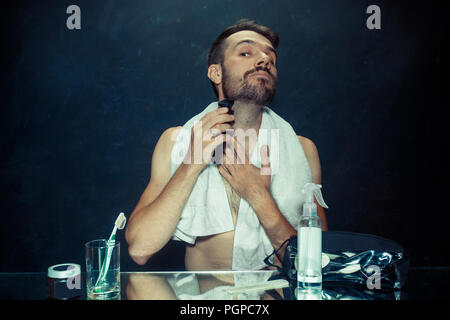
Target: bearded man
{"x":234,"y":212}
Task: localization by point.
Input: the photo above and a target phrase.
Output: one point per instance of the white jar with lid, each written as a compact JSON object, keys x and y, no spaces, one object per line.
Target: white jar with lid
{"x":64,"y":281}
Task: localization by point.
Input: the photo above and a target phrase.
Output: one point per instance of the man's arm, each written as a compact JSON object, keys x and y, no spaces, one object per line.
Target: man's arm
{"x":153,"y":221}
{"x":312,"y":155}
{"x":248,"y":181}
{"x":253,"y":184}
{"x":277,"y":227}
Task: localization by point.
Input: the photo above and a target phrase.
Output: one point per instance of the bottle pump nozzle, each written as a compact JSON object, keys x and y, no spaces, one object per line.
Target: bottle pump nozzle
{"x":311,"y":190}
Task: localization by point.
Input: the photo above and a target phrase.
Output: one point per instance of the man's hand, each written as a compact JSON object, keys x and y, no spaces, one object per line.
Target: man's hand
{"x":250,"y":182}
{"x":253,"y":184}
{"x":207,"y":134}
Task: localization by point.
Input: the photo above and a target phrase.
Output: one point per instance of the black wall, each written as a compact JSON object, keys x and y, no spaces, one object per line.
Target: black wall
{"x":81,"y":112}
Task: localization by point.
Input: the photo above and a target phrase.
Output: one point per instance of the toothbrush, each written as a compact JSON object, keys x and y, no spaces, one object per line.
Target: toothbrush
{"x":118,"y":224}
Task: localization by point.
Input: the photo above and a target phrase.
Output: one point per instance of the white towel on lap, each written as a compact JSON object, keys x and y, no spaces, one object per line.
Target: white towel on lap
{"x":207,"y":210}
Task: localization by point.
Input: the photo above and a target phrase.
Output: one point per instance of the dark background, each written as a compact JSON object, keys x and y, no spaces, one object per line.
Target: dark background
{"x":81,"y":112}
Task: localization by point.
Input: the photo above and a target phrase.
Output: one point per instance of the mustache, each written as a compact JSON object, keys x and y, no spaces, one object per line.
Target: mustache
{"x":257,"y":69}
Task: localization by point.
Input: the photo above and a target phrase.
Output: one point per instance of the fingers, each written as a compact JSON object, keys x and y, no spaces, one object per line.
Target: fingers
{"x":240,"y":153}
{"x":224,"y":172}
{"x":265,"y":160}
{"x":207,"y":134}
{"x":230,"y":157}
{"x":220,"y":128}
{"x":213,"y":124}
{"x":206,"y":119}
{"x":217,"y":116}
{"x":218,"y":140}
{"x":236,"y":150}
{"x":211,"y":150}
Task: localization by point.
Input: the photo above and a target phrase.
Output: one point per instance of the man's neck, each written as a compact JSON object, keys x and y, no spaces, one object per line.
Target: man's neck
{"x":247,"y":115}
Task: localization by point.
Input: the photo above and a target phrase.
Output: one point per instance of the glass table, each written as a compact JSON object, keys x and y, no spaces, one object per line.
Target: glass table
{"x":421,"y":284}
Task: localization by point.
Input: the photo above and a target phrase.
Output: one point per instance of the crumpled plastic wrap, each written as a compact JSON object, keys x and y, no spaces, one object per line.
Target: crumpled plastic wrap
{"x":345,"y":292}
{"x":363,"y":273}
{"x":370,"y":269}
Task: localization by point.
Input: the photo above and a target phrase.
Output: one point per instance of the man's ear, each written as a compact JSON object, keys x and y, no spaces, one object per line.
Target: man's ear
{"x":215,"y":73}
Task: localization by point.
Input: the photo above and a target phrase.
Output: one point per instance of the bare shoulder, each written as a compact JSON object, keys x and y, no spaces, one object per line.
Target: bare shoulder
{"x":160,"y":167}
{"x":312,"y":155}
{"x":162,"y":153}
{"x":308,"y":146}
{"x":165,"y":143}
{"x":168,"y":137}
{"x":159,"y":177}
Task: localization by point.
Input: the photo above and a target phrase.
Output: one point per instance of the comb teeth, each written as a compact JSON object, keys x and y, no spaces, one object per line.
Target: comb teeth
{"x":121,"y":221}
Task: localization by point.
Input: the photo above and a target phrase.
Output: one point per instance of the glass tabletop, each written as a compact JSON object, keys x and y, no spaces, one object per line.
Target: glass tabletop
{"x":422,"y":284}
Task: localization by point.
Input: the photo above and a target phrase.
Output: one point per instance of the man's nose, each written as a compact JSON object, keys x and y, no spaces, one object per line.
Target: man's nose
{"x":263,"y":60}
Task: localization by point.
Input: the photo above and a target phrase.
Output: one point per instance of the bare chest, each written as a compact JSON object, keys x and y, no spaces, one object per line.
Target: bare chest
{"x":215,"y":252}
{"x":233,"y":200}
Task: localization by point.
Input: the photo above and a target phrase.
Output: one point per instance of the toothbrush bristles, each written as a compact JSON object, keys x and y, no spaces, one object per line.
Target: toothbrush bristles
{"x":120,"y":221}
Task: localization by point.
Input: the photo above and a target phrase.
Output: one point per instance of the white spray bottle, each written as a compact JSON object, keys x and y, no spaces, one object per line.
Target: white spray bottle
{"x":309,"y":245}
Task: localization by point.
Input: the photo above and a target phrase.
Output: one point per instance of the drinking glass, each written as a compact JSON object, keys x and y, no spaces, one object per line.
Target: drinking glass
{"x":102,"y":273}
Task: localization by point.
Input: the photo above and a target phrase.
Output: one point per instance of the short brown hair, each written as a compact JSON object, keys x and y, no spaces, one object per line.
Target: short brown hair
{"x":216,"y":53}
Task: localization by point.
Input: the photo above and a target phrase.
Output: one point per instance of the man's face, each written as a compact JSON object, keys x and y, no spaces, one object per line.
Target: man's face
{"x":249,"y":71}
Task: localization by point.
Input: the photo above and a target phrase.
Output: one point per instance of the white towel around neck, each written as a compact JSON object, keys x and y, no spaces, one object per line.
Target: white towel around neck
{"x":207,"y":211}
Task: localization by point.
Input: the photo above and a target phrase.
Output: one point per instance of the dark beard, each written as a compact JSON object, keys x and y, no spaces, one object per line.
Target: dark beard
{"x":257,"y":94}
